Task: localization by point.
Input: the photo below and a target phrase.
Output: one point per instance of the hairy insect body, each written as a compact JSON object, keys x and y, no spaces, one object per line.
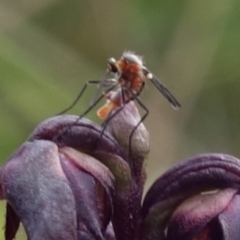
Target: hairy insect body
{"x":131,"y":80}
{"x":131,"y":75}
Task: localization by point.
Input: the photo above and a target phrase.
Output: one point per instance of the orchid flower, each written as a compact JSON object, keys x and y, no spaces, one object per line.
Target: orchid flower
{"x":71,"y":181}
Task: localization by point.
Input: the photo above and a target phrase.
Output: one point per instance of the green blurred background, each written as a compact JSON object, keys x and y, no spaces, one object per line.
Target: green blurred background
{"x":49,"y":48}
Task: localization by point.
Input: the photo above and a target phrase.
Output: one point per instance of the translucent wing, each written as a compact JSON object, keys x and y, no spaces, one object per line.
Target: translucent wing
{"x":105,"y":82}
{"x":165,"y":92}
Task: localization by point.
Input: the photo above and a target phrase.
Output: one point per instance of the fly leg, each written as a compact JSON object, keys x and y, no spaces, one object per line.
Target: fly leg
{"x":80,"y":95}
{"x":90,"y":107}
{"x":140,"y":121}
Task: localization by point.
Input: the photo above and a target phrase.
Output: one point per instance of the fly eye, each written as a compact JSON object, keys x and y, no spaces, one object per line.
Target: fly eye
{"x":112,"y":66}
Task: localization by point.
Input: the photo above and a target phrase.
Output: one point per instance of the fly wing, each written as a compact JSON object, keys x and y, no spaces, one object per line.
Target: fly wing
{"x":165,"y":92}
{"x":105,"y":82}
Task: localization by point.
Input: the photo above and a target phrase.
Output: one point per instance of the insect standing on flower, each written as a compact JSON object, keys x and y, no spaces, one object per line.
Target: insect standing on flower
{"x":129,"y":75}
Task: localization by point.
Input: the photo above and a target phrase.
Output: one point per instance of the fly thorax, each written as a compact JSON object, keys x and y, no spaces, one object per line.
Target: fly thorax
{"x":125,"y":82}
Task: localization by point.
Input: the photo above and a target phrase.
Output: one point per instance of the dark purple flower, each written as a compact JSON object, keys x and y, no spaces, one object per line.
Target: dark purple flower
{"x":180,"y":203}
{"x":70,"y":181}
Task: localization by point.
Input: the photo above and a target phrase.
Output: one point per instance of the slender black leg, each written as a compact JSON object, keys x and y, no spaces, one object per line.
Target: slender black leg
{"x":79,"y":95}
{"x":105,"y":83}
{"x":91,"y":106}
{"x":134,"y":129}
{"x":140,"y":121}
{"x":135,"y":97}
{"x":111,"y":117}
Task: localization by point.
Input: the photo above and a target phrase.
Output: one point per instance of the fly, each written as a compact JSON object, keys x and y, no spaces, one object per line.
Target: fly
{"x":129,"y":76}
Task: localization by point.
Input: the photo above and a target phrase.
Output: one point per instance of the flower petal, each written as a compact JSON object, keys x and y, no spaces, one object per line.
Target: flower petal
{"x":38,"y":191}
{"x":124,"y":198}
{"x":92,"y":185}
{"x":201,"y":173}
{"x":83,"y":135}
{"x":122,"y":125}
{"x":80,"y":134}
{"x":193,"y":215}
{"x":229,"y":220}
